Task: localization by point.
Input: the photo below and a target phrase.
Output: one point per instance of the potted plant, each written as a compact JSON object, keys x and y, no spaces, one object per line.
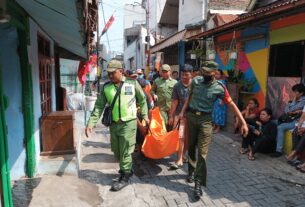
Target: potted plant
{"x":234,"y":79}
{"x":234,"y":83}
{"x":247,"y":85}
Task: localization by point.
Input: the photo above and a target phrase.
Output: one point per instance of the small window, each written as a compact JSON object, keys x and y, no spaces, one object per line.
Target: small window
{"x":131,"y":63}
{"x":286,"y":60}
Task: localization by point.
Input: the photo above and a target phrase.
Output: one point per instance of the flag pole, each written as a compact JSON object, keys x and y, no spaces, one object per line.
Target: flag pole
{"x":106,"y":24}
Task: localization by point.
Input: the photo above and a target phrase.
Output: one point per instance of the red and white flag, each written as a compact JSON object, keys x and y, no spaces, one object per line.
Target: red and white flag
{"x":108,"y":24}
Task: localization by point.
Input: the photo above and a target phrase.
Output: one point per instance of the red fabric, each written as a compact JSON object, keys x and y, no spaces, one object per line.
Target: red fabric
{"x":227,"y":98}
{"x":93,"y":60}
{"x":108,"y":24}
{"x":84,"y":68}
{"x":147,"y":90}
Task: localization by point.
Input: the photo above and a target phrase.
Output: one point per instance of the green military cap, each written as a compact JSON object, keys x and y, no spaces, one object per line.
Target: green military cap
{"x":210,"y":66}
{"x":113,"y":65}
{"x":166,"y":67}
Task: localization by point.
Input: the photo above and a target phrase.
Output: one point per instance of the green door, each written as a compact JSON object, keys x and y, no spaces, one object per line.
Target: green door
{"x":6,"y":193}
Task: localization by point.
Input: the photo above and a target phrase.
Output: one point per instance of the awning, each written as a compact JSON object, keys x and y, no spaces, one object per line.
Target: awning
{"x":168,"y":41}
{"x":60,"y":20}
{"x":190,"y":33}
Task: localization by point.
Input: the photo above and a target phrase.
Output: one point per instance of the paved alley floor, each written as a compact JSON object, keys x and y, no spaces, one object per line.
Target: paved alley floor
{"x":233,"y":180}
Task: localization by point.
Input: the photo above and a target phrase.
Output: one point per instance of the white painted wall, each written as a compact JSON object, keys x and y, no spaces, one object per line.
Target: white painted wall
{"x":137,"y":51}
{"x":33,"y":60}
{"x":156,"y":9}
{"x":133,"y":14}
{"x":190,"y":12}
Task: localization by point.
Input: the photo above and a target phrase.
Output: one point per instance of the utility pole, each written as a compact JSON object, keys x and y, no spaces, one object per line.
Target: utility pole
{"x":97,"y":52}
{"x":147,"y":39}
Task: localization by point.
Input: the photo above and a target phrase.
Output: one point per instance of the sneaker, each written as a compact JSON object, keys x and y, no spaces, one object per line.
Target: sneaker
{"x":276,"y":154}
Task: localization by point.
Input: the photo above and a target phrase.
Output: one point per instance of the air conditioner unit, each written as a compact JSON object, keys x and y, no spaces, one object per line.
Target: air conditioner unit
{"x":4,"y":17}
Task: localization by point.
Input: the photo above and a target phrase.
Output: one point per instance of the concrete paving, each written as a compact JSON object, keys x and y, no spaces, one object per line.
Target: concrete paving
{"x":233,"y":180}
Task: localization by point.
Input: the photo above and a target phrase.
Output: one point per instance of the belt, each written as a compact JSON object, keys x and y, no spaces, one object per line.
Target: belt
{"x":118,"y":122}
{"x":198,"y":113}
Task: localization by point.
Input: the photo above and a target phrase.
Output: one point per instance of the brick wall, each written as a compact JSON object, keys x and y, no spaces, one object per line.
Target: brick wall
{"x":229,"y":4}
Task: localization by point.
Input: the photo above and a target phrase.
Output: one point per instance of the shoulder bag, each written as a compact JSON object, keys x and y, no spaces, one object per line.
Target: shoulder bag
{"x":107,"y":115}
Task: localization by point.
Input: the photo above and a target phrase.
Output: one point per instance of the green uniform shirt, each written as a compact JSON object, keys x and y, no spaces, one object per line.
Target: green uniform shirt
{"x":164,"y":90}
{"x":204,"y":95}
{"x":124,"y":108}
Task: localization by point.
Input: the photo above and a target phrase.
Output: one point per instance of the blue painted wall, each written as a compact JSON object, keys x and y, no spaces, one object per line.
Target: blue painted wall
{"x":33,"y":61}
{"x":13,"y":90}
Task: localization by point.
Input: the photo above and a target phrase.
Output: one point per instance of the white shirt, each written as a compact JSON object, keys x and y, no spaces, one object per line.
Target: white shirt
{"x":303,"y":124}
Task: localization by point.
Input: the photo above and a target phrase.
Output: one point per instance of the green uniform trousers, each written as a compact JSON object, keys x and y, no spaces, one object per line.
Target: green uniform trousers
{"x":123,"y":140}
{"x":199,"y":136}
{"x":164,"y":115}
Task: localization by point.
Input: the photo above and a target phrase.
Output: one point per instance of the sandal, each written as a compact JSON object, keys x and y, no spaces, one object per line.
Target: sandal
{"x":251,"y":157}
{"x":300,"y":166}
{"x":175,"y":166}
{"x":243,"y":151}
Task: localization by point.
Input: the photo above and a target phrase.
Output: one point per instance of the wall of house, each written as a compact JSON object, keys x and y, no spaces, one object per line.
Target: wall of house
{"x":33,"y":60}
{"x":249,"y":52}
{"x":288,"y":29}
{"x":133,"y":14}
{"x":190,"y":11}
{"x":12,"y":86}
{"x":136,"y":50}
{"x":284,"y":30}
{"x":156,"y":8}
{"x":253,"y":55}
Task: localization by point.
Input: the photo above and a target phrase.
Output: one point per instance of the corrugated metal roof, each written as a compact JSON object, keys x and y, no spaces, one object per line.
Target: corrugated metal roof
{"x":168,"y":41}
{"x":60,"y":20}
{"x":261,"y":13}
{"x":222,"y":19}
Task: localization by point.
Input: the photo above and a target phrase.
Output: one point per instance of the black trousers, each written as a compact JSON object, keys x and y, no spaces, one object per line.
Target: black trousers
{"x":298,"y":142}
{"x":259,"y":143}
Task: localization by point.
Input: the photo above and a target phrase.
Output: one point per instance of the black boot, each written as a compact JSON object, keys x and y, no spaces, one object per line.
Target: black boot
{"x":122,"y":182}
{"x":190,"y":176}
{"x":197,"y":190}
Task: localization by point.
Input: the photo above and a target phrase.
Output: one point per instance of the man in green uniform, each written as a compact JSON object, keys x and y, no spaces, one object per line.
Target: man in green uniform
{"x":124,"y":115}
{"x":162,"y":90}
{"x":199,"y":105}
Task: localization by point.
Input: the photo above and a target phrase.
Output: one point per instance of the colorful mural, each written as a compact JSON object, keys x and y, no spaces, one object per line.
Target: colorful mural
{"x":252,"y":58}
{"x":288,"y":29}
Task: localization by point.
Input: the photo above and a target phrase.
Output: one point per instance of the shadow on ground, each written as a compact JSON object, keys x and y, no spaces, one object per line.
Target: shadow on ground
{"x":23,"y":191}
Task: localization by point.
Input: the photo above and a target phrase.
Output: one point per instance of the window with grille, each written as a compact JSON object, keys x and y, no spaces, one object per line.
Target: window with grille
{"x":287,"y":60}
{"x":45,"y":75}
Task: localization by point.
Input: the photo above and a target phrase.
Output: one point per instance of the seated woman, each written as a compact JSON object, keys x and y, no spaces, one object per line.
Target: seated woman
{"x":249,"y":113}
{"x":262,"y":135}
{"x":298,"y":140}
{"x":293,"y":110}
